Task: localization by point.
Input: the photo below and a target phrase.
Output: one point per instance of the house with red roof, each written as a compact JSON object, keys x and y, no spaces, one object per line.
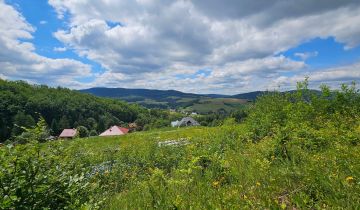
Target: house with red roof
{"x":115,"y":131}
{"x":68,"y":133}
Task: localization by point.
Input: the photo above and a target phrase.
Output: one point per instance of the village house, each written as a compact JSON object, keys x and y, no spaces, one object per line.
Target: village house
{"x":186,"y":121}
{"x":115,"y":131}
{"x":68,"y":133}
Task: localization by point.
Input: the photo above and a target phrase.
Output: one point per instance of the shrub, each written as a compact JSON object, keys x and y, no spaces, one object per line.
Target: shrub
{"x":82,"y":131}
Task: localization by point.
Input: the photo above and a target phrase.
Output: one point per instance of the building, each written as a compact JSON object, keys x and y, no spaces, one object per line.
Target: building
{"x":175,"y":123}
{"x":68,"y":133}
{"x":115,"y":131}
{"x":186,"y":121}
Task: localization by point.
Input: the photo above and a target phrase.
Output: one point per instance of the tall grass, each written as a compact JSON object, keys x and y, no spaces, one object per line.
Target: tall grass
{"x":294,"y":151}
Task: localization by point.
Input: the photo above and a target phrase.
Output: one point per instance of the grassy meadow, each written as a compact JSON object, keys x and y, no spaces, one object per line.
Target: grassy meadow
{"x":295,"y":151}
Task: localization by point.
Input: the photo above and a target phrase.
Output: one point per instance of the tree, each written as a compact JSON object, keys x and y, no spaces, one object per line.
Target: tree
{"x":82,"y":131}
{"x":22,"y":120}
{"x":39,"y":133}
{"x":64,"y":123}
{"x":54,"y":127}
{"x":91,"y":123}
{"x":93,"y":133}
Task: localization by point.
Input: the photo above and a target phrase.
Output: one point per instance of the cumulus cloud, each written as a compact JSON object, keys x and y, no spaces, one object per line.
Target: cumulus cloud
{"x":333,"y":77}
{"x":163,"y":44}
{"x":147,"y":43}
{"x":18,"y":59}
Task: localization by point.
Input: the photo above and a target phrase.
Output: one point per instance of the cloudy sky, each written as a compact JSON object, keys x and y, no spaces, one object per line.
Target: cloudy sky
{"x":228,"y":46}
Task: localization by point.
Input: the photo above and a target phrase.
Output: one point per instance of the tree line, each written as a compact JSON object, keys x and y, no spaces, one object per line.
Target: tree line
{"x":22,"y":104}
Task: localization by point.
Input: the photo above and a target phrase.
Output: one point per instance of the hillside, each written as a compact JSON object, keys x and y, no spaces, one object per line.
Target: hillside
{"x":171,"y":99}
{"x":294,"y":151}
{"x":22,"y":104}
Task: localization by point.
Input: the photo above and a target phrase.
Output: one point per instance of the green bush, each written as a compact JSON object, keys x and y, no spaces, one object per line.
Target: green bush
{"x":82,"y":131}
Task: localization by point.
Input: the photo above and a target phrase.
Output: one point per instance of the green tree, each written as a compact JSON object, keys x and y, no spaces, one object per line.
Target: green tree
{"x":82,"y":131}
{"x":64,"y":123}
{"x":22,"y":120}
{"x":93,"y":133}
{"x":54,"y":128}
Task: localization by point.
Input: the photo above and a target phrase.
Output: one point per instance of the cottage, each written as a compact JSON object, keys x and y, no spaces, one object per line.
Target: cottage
{"x":68,"y":133}
{"x":115,"y":131}
{"x":187,"y":121}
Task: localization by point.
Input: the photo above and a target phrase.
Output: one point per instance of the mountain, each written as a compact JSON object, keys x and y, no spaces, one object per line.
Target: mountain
{"x":172,"y":99}
{"x":250,"y":96}
{"x":147,"y":93}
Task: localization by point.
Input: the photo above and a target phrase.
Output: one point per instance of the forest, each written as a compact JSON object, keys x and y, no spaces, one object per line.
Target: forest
{"x":22,"y":104}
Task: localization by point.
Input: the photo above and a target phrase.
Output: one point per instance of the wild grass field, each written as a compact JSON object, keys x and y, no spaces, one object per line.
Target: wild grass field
{"x":295,"y":151}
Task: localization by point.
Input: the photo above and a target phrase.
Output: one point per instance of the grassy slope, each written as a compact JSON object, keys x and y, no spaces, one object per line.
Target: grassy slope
{"x":207,"y":105}
{"x":219,"y":170}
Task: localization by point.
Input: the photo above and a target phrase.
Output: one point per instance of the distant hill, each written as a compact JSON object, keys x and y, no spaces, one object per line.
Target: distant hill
{"x":147,"y":93}
{"x":172,"y":99}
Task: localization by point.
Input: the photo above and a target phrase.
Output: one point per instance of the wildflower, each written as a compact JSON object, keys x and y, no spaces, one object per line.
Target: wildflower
{"x":350,"y":179}
{"x":258,"y":184}
{"x":215,"y":184}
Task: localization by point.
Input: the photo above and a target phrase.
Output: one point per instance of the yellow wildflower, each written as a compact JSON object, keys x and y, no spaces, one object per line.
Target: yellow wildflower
{"x":350,"y":179}
{"x":215,"y":184}
{"x":258,"y":184}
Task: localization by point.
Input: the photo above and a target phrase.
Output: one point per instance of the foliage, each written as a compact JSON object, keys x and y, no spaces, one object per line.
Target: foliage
{"x":83,"y":131}
{"x":171,"y":99}
{"x":21,"y":103}
{"x":294,"y":151}
{"x":37,"y":133}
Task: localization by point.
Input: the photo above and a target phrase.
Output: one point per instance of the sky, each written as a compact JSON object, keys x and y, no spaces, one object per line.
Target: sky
{"x":222,"y":47}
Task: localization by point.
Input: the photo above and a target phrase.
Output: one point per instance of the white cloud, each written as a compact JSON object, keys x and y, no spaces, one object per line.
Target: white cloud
{"x":230,"y":78}
{"x":331,"y":76}
{"x":59,"y":49}
{"x":18,"y":59}
{"x":306,"y":55}
{"x":2,"y":76}
{"x":148,"y":44}
{"x":43,"y":22}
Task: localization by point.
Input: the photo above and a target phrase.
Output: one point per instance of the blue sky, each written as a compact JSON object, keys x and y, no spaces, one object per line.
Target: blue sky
{"x":184,"y":45}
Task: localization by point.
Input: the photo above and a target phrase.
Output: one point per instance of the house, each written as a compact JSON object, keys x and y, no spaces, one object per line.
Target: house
{"x":187,"y":121}
{"x":68,"y":133}
{"x":175,"y":123}
{"x":115,"y":131}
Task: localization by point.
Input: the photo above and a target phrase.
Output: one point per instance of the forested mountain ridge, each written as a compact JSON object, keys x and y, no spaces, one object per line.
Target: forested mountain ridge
{"x":172,"y":99}
{"x":22,"y":104}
